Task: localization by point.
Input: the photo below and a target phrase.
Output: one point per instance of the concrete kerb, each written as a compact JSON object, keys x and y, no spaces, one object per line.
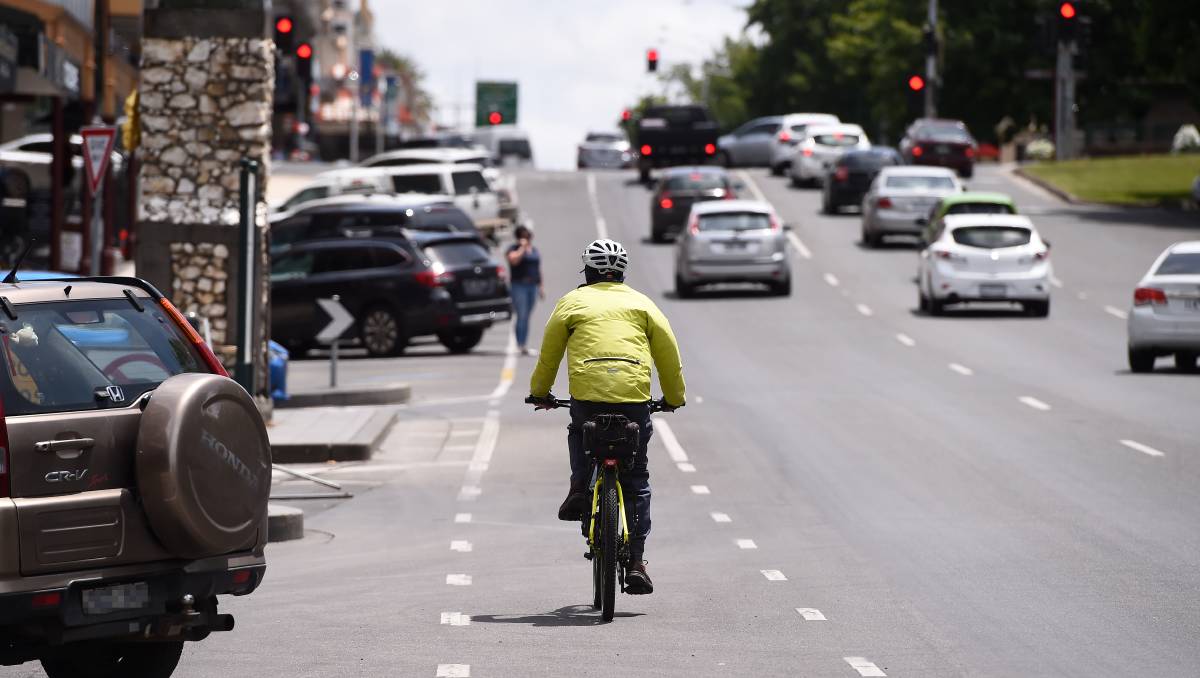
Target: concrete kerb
{"x":382,"y":394}
{"x":1046,"y":186}
{"x":284,"y":523}
{"x":358,"y":447}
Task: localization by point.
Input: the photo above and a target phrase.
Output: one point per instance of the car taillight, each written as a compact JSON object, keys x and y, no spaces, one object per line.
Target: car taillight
{"x":808,"y":152}
{"x":943,"y":254}
{"x":969,"y":152}
{"x":1042,"y":256}
{"x":775,"y":225}
{"x":842,"y":174}
{"x":884,"y":203}
{"x":430,"y":278}
{"x":694,"y":225}
{"x":646,"y":150}
{"x":710,"y":149}
{"x":1144,"y":296}
{"x":502,"y":273}
{"x":730,"y":194}
{"x":41,"y":601}
{"x":784,"y":136}
{"x":917,"y":151}
{"x":666,"y":202}
{"x":206,"y":353}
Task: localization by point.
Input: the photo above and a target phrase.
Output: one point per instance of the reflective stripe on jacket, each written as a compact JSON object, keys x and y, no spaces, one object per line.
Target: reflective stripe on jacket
{"x":611,"y":334}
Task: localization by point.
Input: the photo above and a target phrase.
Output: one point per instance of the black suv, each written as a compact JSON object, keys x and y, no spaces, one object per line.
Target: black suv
{"x":850,"y":177}
{"x":368,"y":219}
{"x":396,"y":288}
{"x":681,"y":187}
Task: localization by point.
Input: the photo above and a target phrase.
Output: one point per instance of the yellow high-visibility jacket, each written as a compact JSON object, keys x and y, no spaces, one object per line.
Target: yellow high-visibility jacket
{"x":611,"y":333}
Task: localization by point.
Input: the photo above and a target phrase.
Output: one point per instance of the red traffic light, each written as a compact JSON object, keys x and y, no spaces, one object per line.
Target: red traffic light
{"x":494,"y":118}
{"x":916,"y":83}
{"x":652,"y":55}
{"x":304,"y":51}
{"x":1067,"y":10}
{"x":626,"y":115}
{"x":283,"y":24}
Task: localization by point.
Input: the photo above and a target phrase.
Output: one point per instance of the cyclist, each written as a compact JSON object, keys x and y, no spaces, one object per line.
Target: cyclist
{"x":610,"y":333}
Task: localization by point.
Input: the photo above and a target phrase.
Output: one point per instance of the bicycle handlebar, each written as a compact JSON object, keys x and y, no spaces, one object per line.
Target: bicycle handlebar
{"x":550,"y":402}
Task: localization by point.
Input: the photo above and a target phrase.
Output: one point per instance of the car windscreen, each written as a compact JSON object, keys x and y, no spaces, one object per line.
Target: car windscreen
{"x":1180,"y":263}
{"x":470,"y":181}
{"x":980,"y":208}
{"x":417,"y":183}
{"x":699,"y":181}
{"x":441,"y":218}
{"x":517,"y":147}
{"x":836,"y":139}
{"x":89,"y":354}
{"x":992,"y":237}
{"x":401,"y":162}
{"x":868,"y":160}
{"x":943,"y":133}
{"x":677,"y":116}
{"x":605,"y":138}
{"x":920,"y":182}
{"x":734,"y":221}
{"x":456,"y":253}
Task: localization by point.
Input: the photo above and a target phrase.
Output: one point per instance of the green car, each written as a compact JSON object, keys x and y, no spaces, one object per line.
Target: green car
{"x":970,"y":202}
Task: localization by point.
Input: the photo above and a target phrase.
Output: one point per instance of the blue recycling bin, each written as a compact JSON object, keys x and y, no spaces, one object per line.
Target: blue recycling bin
{"x":277,"y":364}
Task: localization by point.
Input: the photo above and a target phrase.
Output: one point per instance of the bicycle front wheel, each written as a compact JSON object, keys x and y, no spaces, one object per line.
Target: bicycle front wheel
{"x":610,"y":513}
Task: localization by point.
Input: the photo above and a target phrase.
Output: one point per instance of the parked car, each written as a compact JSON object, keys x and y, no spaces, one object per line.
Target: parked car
{"x":943,"y":143}
{"x":441,"y":140}
{"x":1165,"y":317}
{"x":397,"y":288}
{"x":900,"y":198}
{"x":604,"y":149}
{"x":750,"y":144}
{"x":671,"y":136}
{"x":351,"y":216}
{"x":33,"y":153}
{"x":118,"y":533}
{"x":821,"y":146}
{"x":967,"y":202}
{"x":791,"y":131}
{"x":850,"y":177}
{"x":681,"y":187}
{"x":732,"y":241}
{"x":438,"y":155}
{"x":985,"y":257}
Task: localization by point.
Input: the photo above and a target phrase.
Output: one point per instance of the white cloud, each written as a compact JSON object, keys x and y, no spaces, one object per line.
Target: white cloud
{"x":577,"y":63}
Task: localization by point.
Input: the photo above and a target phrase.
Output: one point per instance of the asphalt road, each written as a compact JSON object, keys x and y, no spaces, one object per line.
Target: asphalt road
{"x":857,"y":489}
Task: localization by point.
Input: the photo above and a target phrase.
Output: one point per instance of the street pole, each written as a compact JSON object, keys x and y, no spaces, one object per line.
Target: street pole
{"x":248,"y":288}
{"x":355,"y":79}
{"x":1064,"y":101}
{"x":380,"y":108}
{"x":931,"y":62}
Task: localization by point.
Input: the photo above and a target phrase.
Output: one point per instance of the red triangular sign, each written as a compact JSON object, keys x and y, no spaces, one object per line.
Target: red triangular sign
{"x":97,"y":149}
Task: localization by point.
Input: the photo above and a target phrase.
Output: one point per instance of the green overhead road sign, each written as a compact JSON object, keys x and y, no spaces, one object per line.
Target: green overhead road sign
{"x":495,"y":103}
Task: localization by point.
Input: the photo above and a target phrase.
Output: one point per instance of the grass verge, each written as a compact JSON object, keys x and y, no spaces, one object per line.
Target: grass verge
{"x":1131,"y":180}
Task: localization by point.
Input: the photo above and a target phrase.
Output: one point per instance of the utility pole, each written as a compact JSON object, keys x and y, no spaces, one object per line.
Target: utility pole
{"x":931,"y":61}
{"x":355,"y":87}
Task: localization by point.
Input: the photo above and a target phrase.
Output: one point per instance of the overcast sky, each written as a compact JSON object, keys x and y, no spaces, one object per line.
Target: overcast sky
{"x":577,"y":63}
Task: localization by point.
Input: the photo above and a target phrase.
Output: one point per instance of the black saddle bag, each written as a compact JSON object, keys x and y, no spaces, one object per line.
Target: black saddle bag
{"x":611,"y":436}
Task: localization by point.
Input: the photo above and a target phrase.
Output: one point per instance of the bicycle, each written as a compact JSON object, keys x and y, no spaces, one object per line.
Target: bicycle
{"x":610,"y":441}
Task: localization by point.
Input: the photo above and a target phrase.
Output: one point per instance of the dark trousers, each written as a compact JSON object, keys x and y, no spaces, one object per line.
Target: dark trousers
{"x":635,"y":483}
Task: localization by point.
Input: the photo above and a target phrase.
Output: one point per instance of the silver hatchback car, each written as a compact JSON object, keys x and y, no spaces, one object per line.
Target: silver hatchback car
{"x":732,"y":241}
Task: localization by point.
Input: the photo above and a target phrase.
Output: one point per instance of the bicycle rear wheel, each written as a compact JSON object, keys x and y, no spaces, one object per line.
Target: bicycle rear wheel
{"x":611,"y":517}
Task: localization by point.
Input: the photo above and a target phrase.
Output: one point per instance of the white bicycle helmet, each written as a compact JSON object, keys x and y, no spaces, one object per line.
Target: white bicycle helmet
{"x":606,"y":256}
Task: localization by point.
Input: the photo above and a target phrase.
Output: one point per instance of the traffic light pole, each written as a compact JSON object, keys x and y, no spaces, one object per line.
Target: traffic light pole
{"x":931,"y":63}
{"x":1064,"y":101}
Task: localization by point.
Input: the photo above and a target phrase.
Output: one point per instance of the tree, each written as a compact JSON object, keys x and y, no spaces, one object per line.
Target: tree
{"x":415,"y":99}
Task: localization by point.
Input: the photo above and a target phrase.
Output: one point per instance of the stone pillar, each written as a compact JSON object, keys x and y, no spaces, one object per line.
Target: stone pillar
{"x":206,"y":88}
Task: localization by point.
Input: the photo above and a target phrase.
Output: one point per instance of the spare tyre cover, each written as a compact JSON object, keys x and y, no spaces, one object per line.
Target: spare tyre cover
{"x":203,"y":465}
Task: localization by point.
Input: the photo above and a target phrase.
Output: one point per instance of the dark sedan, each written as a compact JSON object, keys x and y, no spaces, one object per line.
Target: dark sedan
{"x":681,"y":187}
{"x":850,"y":177}
{"x":943,"y":143}
{"x":442,"y":284}
{"x":370,"y":218}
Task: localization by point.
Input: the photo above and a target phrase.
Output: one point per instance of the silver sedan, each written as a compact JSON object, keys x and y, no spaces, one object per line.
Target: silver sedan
{"x":900,"y":198}
{"x":605,"y":149}
{"x":732,"y":241}
{"x":1165,"y":317}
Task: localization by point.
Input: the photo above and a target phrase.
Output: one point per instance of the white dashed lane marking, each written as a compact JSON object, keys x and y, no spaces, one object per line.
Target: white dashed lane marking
{"x":1116,"y":312}
{"x":905,"y":339}
{"x":801,"y":249}
{"x":773,"y":575}
{"x":1144,"y":449}
{"x":456,"y":619}
{"x":864,"y":309}
{"x":1034,"y":403}
{"x":810,"y":614}
{"x":674,"y":450}
{"x":831,"y":279}
{"x":458,"y":579}
{"x":461,"y":545}
{"x":700,"y":489}
{"x":601,"y":225}
{"x":686,"y":467}
{"x":864,"y":667}
{"x":462,"y":517}
{"x":721,"y":517}
{"x":1055,"y":281}
{"x":469,"y":493}
{"x":453,"y":671}
{"x":745,"y":544}
{"x":962,"y":369}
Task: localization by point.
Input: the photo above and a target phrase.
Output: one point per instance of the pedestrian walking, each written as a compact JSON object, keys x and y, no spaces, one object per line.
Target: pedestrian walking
{"x":525,"y":272}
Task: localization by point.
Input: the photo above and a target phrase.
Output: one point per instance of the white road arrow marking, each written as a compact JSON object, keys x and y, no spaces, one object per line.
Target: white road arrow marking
{"x":340,"y":320}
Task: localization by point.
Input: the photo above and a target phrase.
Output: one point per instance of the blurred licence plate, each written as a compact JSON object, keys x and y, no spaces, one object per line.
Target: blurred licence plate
{"x":1192,"y":304}
{"x":993,"y":291}
{"x":109,"y":599}
{"x":941,"y":149}
{"x":479,"y":287}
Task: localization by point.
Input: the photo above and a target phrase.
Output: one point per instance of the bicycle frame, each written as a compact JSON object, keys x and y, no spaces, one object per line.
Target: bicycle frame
{"x":598,"y":481}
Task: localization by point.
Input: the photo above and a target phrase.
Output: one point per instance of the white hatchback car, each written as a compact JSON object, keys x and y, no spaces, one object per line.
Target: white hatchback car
{"x":985,"y":257}
{"x":1166,"y":310}
{"x":732,"y":241}
{"x":821,"y":147}
{"x":791,"y":133}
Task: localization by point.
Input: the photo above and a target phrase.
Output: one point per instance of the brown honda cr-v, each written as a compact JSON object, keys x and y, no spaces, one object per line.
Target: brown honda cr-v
{"x":134,"y":477}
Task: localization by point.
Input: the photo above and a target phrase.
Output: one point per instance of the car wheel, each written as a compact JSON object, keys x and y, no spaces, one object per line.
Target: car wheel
{"x":1141,"y":360}
{"x":922,"y":301}
{"x":777,"y":170}
{"x":657,"y":236}
{"x":114,"y":660}
{"x":461,"y":341}
{"x":967,"y":172}
{"x":1037,"y":309}
{"x":682,"y":289}
{"x":826,"y":206}
{"x":871,"y":239}
{"x":1185,"y":361}
{"x":937,"y":307}
{"x":381,"y":332}
{"x":782,"y":289}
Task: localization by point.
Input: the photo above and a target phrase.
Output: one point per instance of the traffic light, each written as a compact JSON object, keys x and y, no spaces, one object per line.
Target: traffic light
{"x":1068,"y":19}
{"x":651,"y":60}
{"x":494,"y":118}
{"x":283,"y":33}
{"x":626,"y":115}
{"x":304,"y":55}
{"x":304,"y":51}
{"x":916,"y":83}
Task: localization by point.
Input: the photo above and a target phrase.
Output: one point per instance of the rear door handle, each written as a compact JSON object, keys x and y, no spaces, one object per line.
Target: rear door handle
{"x":68,"y":444}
